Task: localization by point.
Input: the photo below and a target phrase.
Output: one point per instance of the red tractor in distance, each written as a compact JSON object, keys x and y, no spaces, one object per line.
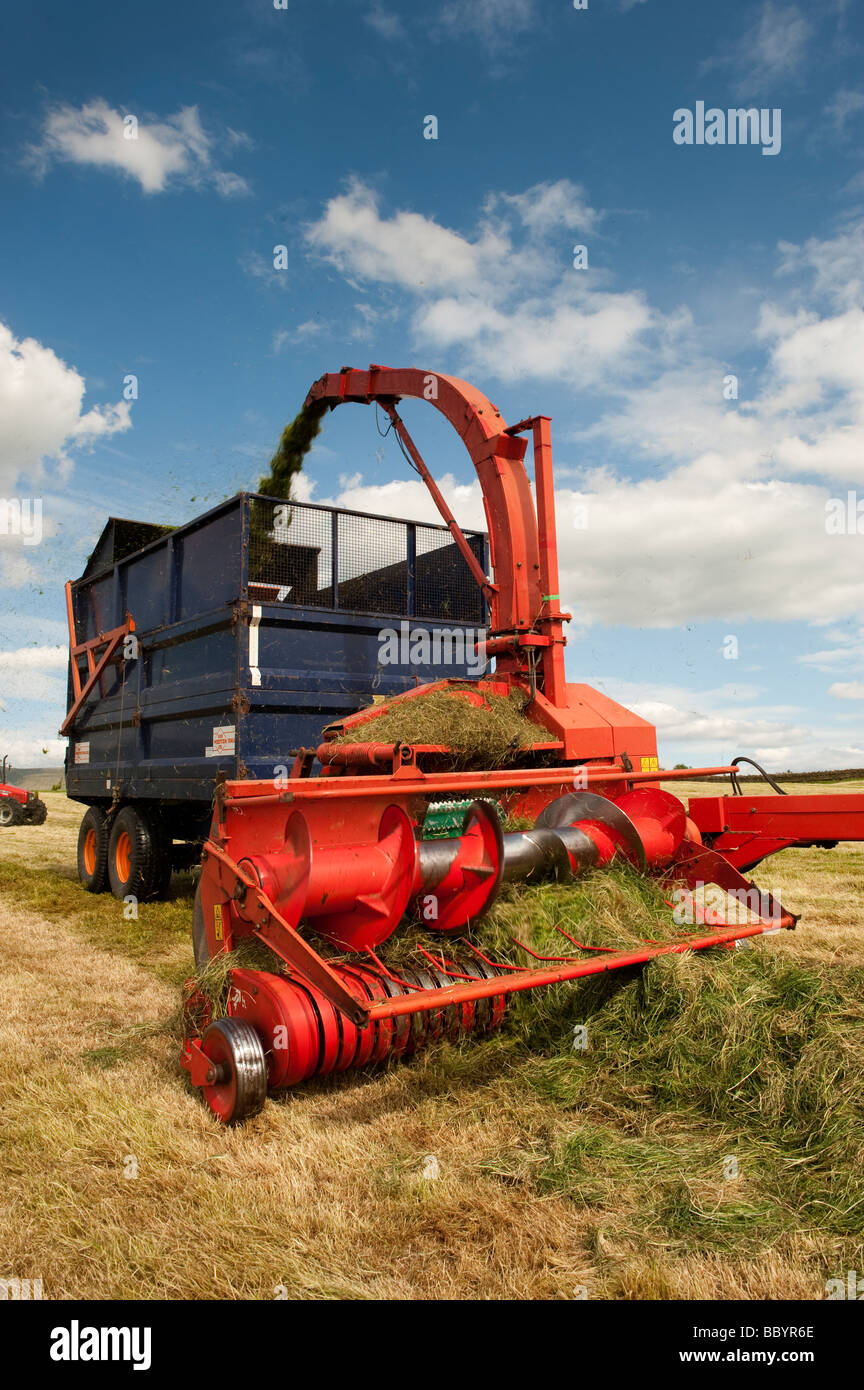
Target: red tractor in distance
{"x":17,"y":806}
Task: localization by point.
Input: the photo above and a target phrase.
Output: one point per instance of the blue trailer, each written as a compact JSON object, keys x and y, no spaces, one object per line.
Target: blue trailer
{"x":220,"y":648}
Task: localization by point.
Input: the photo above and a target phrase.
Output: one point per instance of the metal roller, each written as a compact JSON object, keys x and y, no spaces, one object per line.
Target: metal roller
{"x":604,"y":822}
{"x":304,"y":1035}
{"x":460,"y":877}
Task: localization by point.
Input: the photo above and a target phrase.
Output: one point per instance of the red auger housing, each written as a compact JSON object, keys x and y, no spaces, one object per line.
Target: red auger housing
{"x":343,"y":854}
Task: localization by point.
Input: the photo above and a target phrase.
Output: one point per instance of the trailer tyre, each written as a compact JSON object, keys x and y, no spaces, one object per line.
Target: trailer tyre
{"x":93,"y":851}
{"x":136,"y":856}
{"x":11,"y":812}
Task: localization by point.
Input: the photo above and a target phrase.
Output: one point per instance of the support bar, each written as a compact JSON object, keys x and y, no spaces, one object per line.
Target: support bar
{"x":532,"y":979}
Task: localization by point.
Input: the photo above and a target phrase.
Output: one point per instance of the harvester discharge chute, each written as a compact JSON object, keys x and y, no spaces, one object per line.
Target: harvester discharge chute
{"x":391,"y":831}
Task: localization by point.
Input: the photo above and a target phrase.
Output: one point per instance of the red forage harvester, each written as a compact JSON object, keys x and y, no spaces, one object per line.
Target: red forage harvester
{"x":343,"y":853}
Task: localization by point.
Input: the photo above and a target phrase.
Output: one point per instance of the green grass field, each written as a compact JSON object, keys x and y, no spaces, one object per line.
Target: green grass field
{"x":708,"y":1143}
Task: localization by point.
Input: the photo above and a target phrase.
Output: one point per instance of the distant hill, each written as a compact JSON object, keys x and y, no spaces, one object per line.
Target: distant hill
{"x":35,"y":779}
{"x":847,"y":774}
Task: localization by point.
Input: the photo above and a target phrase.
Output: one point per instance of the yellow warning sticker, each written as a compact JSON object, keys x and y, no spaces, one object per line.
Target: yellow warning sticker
{"x":217,"y":920}
{"x":650,"y":764}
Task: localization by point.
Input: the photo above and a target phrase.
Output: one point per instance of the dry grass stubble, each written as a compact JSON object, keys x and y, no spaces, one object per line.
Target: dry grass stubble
{"x":556,"y":1169}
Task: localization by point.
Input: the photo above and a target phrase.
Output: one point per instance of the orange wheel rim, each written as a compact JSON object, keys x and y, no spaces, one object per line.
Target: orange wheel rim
{"x":122,"y":853}
{"x":90,"y":851}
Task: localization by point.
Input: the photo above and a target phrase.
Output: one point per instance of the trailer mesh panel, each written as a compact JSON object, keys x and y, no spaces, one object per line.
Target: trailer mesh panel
{"x":444,"y":587}
{"x":398,"y":568}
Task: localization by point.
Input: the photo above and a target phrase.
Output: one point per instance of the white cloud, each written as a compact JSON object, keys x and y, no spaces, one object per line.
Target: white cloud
{"x":25,"y":673}
{"x":385,"y":22}
{"x":32,"y":749}
{"x":847,"y":690}
{"x":709,"y":727}
{"x":41,"y":407}
{"x":229,"y":185}
{"x":414,"y":252}
{"x":730,"y":522}
{"x":174,"y":152}
{"x":770,"y":53}
{"x":843,"y":106}
{"x":35,"y":659}
{"x":18,"y":627}
{"x":662,"y":552}
{"x":745,"y":500}
{"x":695,"y":545}
{"x":494,"y":22}
{"x":408,"y":250}
{"x":575,"y":340}
{"x":802,"y":415}
{"x":401,"y":497}
{"x":547,"y":206}
{"x":16,"y":571}
{"x":283,"y":337}
{"x":688,"y":725}
{"x":848,"y":649}
{"x":469,"y":290}
{"x":262,"y":268}
{"x":835,"y":265}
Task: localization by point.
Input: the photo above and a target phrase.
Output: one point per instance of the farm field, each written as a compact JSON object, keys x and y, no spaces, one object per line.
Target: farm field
{"x":707,"y":1144}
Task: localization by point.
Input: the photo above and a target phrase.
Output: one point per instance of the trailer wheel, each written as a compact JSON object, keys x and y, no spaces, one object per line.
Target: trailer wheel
{"x":238,"y":1057}
{"x":93,"y":851}
{"x":11,"y":812}
{"x":136,"y":856}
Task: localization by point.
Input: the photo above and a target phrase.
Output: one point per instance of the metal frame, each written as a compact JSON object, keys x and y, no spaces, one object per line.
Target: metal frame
{"x":109,"y":640}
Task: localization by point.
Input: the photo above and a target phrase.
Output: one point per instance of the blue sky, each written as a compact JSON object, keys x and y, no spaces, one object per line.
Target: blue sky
{"x":257,"y":127}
